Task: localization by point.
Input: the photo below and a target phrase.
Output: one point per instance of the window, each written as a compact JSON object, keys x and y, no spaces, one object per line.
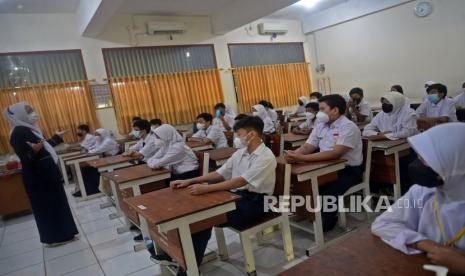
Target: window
{"x":266,"y":54}
{"x":28,"y":68}
{"x":101,"y":95}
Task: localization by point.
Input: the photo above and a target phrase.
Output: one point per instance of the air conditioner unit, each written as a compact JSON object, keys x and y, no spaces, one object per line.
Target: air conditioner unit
{"x":272,"y":28}
{"x":171,"y":27}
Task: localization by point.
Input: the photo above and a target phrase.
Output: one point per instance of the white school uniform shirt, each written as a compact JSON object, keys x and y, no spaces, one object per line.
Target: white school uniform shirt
{"x":174,"y":154}
{"x":301,"y":108}
{"x":401,"y":121}
{"x":214,"y":134}
{"x":257,"y":168}
{"x":268,"y":123}
{"x":106,"y":145}
{"x":88,"y":141}
{"x":365,"y":109}
{"x":341,"y":132}
{"x":444,"y":108}
{"x":442,"y":149}
{"x":273,"y":115}
{"x":460,"y":100}
{"x":229,"y":119}
{"x":147,"y":146}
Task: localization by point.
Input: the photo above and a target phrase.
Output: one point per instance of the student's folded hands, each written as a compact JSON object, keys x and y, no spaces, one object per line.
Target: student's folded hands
{"x":198,"y":189}
{"x":293,"y":157}
{"x":179,"y":184}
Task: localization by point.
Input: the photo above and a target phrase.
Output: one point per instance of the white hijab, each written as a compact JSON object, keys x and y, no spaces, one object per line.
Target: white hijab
{"x":442,"y":148}
{"x":169,"y":135}
{"x":304,"y":100}
{"x":230,"y":111}
{"x":261,"y":111}
{"x":16,"y":115}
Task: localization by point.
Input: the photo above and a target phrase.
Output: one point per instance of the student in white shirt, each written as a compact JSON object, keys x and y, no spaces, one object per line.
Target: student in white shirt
{"x":270,"y":111}
{"x":460,"y":98}
{"x":106,"y":143}
{"x":86,"y":140}
{"x":430,"y":219}
{"x":358,"y":110}
{"x":315,"y":96}
{"x":425,"y":92}
{"x":302,"y":102}
{"x":398,"y":88}
{"x":336,"y":137}
{"x":438,"y":108}
{"x":208,"y":133}
{"x":133,"y":120}
{"x":222,"y":120}
{"x":260,"y":111}
{"x":147,"y":145}
{"x":395,"y":121}
{"x":174,"y":154}
{"x":306,"y":127}
{"x":250,"y":173}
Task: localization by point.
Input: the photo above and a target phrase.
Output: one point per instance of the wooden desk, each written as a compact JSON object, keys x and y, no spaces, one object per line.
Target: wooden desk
{"x":297,"y":118}
{"x":13,"y":197}
{"x":389,"y":147}
{"x":293,"y":141}
{"x":198,"y":146}
{"x":177,"y":209}
{"x":127,"y":143}
{"x":76,"y":162}
{"x":64,"y":153}
{"x":361,"y":254}
{"x":220,"y":156}
{"x":109,"y":164}
{"x":311,"y":171}
{"x":133,"y":181}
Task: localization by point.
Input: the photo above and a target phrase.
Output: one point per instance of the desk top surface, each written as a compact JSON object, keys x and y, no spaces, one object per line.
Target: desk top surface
{"x":177,"y":203}
{"x":133,"y":173}
{"x":291,"y":137}
{"x":221,"y":154}
{"x":386,"y":144}
{"x":80,"y":156}
{"x":196,"y":144}
{"x":361,"y":254}
{"x":69,"y":150}
{"x":111,"y":160}
{"x":300,"y":168}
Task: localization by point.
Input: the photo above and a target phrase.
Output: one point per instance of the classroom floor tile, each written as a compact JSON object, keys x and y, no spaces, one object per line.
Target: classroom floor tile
{"x":100,"y":250}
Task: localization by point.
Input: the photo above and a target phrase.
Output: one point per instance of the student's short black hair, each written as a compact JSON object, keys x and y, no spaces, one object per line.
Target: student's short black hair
{"x":240,"y":117}
{"x":206,"y":116}
{"x":220,"y":105}
{"x":398,"y":88}
{"x":441,"y":88}
{"x":264,"y":103}
{"x":335,"y":100}
{"x":356,"y":90}
{"x":84,"y":127}
{"x":142,"y":125}
{"x":250,"y":123}
{"x":318,"y":95}
{"x":313,"y":105}
{"x":136,"y":118}
{"x":155,"y":122}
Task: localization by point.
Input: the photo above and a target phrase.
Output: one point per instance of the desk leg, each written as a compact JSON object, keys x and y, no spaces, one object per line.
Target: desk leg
{"x":118,"y":208}
{"x":188,"y":249}
{"x":64,"y":173}
{"x":397,"y":188}
{"x":144,"y":228}
{"x":318,"y":223}
{"x":80,"y":181}
{"x":109,"y":203}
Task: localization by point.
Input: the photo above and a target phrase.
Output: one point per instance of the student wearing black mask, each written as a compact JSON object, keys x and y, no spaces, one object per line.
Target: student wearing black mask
{"x":358,"y":110}
{"x":433,"y":223}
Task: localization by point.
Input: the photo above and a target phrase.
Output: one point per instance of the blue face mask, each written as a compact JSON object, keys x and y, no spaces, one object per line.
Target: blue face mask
{"x":433,"y":98}
{"x":218,"y":113}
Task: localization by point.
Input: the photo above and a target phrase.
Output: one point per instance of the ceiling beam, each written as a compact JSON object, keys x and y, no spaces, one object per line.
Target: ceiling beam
{"x":92,"y":15}
{"x":242,"y":12}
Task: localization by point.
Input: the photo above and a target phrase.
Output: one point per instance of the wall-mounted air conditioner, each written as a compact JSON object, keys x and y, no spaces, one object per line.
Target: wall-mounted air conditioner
{"x":171,"y":27}
{"x":272,"y":28}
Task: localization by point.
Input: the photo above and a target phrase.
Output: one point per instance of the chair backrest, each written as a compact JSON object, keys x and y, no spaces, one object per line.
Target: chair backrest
{"x":273,"y":141}
{"x":230,"y":138}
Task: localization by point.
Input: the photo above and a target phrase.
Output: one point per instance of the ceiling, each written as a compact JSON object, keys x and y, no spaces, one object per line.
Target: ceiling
{"x":38,"y":6}
{"x":174,"y":7}
{"x":298,"y":11}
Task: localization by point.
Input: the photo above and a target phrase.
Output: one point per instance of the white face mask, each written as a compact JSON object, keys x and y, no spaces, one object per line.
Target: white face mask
{"x":152,"y":128}
{"x":200,"y":126}
{"x":309,"y":115}
{"x":136,"y":133}
{"x":32,"y":117}
{"x":239,"y":143}
{"x":322,"y":117}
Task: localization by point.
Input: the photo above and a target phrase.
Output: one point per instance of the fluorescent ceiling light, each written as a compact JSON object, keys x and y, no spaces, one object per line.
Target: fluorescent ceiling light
{"x":308,"y":3}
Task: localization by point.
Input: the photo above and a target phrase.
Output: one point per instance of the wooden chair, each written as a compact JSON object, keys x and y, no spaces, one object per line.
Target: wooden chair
{"x":274,"y":141}
{"x":271,"y":219}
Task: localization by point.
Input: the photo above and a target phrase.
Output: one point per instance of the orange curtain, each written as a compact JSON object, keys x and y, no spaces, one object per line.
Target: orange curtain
{"x":60,"y":106}
{"x":175,"y":98}
{"x":281,"y":84}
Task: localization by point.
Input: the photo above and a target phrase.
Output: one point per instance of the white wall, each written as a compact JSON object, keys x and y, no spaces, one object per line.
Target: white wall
{"x":35,"y":32}
{"x":395,"y":47}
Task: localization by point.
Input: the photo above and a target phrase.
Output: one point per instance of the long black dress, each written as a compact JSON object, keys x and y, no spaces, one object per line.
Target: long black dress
{"x":44,"y":186}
